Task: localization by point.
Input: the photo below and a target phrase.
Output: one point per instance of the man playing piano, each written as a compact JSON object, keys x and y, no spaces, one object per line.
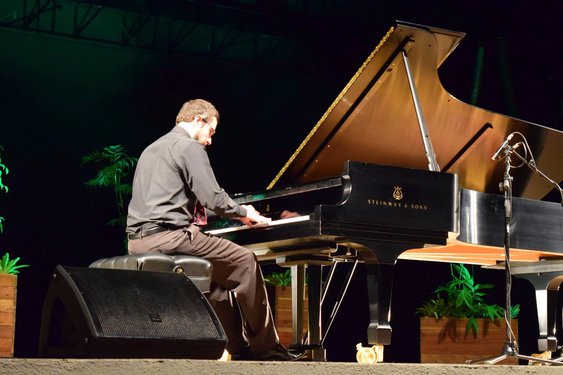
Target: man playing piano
{"x":173,"y":185}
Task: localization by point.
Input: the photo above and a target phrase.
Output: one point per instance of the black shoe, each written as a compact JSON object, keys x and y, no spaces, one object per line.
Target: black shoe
{"x":244,"y":355}
{"x":279,"y":353}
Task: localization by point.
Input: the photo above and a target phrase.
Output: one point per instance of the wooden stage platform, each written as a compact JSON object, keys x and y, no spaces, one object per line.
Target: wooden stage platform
{"x":23,"y":366}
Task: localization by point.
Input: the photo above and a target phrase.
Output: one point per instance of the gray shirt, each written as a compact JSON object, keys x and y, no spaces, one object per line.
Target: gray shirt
{"x":171,"y":175}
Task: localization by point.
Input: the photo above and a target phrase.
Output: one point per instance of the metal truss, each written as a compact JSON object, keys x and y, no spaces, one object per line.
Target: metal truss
{"x":197,"y":31}
{"x":262,"y":32}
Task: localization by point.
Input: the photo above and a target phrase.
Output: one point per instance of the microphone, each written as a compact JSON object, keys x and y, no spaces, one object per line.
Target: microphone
{"x":496,"y":156}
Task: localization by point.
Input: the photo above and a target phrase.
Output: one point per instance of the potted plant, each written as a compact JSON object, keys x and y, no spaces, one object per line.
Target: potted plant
{"x":114,"y":173}
{"x":280,"y":282}
{"x":457,"y":324}
{"x":9,"y":268}
{"x":117,"y":167}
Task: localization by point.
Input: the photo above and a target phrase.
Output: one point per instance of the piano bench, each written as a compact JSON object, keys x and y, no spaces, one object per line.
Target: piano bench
{"x":198,"y":270}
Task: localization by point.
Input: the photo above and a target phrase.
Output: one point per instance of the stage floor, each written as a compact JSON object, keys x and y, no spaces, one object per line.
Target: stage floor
{"x":21,"y":366}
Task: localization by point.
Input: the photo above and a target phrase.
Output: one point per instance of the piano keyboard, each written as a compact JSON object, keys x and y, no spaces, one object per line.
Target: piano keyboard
{"x":263,"y":225}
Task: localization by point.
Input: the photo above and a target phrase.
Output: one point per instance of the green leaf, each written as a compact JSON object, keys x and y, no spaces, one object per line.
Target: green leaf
{"x":279,"y":278}
{"x":3,"y":171}
{"x":515,"y":311}
{"x":8,"y":266}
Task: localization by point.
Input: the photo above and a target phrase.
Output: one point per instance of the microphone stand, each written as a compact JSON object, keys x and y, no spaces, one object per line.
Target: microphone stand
{"x":510,"y":349}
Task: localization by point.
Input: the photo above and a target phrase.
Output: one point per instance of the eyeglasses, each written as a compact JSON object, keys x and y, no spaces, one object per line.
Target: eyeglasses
{"x":211,"y":130}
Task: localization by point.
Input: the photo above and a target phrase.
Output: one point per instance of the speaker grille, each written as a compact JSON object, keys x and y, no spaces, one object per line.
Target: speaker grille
{"x":140,"y":304}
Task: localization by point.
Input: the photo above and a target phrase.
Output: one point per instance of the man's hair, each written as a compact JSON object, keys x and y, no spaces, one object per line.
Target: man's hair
{"x":195,"y":107}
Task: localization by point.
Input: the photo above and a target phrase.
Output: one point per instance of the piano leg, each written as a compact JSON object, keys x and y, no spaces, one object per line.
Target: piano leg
{"x":380,"y":270}
{"x":546,"y":285}
{"x":380,"y":285}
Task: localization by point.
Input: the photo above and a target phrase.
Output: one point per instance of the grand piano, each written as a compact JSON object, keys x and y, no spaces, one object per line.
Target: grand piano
{"x":398,"y":168}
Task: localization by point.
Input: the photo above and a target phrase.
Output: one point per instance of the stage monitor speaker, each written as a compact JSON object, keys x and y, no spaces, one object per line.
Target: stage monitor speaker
{"x":106,"y":313}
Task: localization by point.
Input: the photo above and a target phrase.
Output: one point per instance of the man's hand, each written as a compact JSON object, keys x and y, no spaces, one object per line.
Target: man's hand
{"x":287,"y":214}
{"x":253,"y":217}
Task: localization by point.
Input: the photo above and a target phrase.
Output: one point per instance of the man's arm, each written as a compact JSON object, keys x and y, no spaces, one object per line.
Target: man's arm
{"x":202,"y":181}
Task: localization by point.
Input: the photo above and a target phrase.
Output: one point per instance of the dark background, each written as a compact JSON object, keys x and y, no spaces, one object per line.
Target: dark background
{"x":272,"y":68}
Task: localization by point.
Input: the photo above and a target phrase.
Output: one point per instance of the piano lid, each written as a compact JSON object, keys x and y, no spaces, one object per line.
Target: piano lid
{"x":373,"y":120}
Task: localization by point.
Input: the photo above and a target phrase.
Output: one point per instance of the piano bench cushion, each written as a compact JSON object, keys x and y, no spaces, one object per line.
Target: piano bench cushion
{"x":198,"y":270}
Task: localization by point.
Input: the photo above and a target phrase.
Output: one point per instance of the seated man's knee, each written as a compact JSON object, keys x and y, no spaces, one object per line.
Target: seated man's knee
{"x":248,"y":256}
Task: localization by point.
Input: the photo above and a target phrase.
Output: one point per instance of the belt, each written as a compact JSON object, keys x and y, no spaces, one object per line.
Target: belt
{"x":146,"y":233}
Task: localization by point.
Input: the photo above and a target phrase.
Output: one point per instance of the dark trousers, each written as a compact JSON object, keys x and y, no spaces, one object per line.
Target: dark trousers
{"x":238,"y":294}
